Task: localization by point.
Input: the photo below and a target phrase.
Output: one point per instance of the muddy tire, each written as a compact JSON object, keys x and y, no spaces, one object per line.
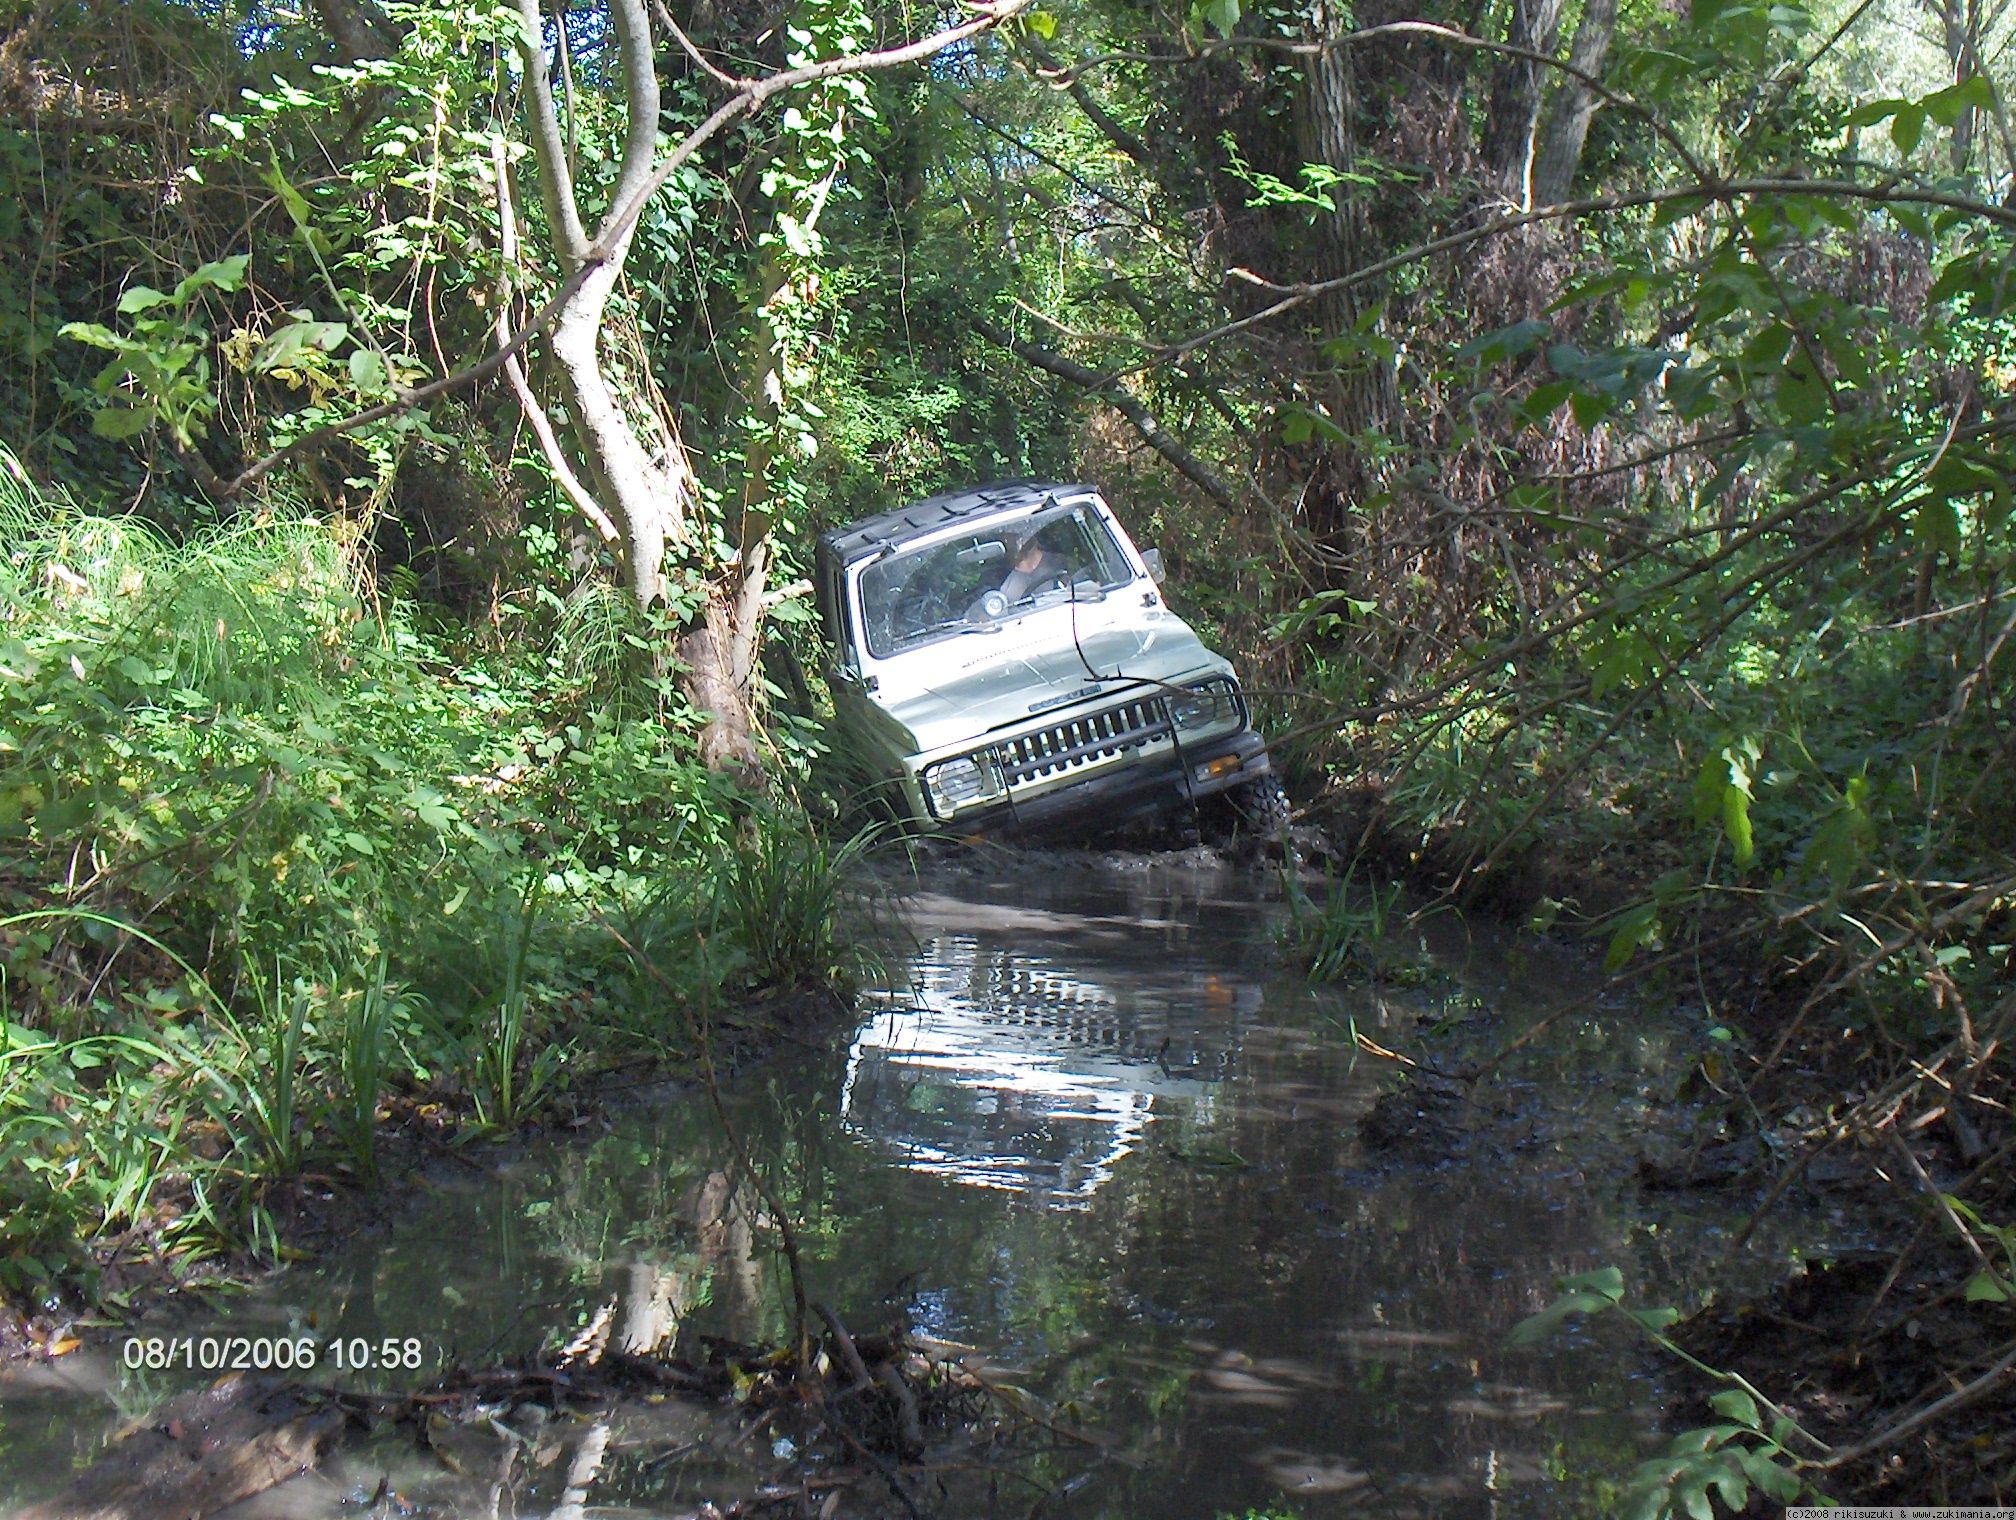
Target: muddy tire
{"x":1263,"y":808}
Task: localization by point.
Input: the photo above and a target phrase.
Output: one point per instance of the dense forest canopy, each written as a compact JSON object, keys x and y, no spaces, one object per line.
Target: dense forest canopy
{"x":1588,"y":423}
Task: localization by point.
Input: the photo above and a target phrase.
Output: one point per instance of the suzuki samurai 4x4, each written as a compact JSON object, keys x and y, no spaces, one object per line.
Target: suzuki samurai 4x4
{"x":1003,"y":660}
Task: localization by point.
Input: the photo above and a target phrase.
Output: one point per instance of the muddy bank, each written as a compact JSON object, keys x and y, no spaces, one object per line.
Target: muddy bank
{"x":1818,"y":1095}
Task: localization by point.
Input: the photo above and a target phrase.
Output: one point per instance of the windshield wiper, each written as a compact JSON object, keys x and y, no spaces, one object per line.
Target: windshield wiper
{"x":952,"y":625}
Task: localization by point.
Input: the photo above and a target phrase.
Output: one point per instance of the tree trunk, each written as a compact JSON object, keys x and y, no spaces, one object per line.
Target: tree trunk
{"x":1325,"y":134}
{"x":645,"y":490}
{"x":1361,"y":398}
{"x":358,"y":27}
{"x":1960,"y":30}
{"x":1560,"y":153}
{"x":1514,"y":114}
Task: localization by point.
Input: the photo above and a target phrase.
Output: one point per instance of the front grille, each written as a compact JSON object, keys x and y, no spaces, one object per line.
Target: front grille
{"x":1084,"y":741}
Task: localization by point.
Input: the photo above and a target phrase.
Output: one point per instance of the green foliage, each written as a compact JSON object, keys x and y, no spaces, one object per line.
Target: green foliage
{"x":88,"y":1129}
{"x":779,"y":894}
{"x":1745,"y":1453}
{"x":1995,"y":1283}
{"x":164,"y":356}
{"x":509,"y":1089}
{"x":370,"y":1020}
{"x":1346,"y":933}
{"x":274,"y":1079}
{"x":287,"y":836}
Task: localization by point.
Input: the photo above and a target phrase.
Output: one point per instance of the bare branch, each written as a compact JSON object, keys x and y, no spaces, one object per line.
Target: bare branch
{"x":707,"y":66}
{"x":754,"y":96}
{"x":535,"y":414}
{"x":1063,"y":78}
{"x":1296,"y":295}
{"x":1990,"y":1381}
{"x":1115,"y":392}
{"x":408,"y":401}
{"x":1048,"y":68}
{"x":616,"y":226}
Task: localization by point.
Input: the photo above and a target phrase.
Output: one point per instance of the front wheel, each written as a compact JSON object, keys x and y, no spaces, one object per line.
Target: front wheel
{"x":1263,"y":807}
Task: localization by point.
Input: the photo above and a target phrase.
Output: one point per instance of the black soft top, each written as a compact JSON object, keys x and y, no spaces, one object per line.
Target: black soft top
{"x":885,"y":530}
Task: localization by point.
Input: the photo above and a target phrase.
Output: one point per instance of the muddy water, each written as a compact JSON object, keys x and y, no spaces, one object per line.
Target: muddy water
{"x":1089,"y":1127}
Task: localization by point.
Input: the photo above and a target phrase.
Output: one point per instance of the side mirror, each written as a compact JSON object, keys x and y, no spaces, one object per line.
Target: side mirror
{"x":1152,"y":558}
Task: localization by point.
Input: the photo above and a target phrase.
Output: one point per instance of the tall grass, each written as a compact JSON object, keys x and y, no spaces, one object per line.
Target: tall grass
{"x":275,"y":1077}
{"x":362,"y":1059}
{"x":271,"y":840}
{"x":91,"y":1125}
{"x":1342,"y":934}
{"x":506,"y":1095}
{"x":779,"y":896}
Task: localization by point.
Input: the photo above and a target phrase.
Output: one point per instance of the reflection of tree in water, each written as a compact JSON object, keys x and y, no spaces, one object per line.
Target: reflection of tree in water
{"x":517,"y":1259}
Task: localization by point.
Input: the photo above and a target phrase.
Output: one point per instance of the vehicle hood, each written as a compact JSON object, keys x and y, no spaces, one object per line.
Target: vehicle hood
{"x":976,"y":684}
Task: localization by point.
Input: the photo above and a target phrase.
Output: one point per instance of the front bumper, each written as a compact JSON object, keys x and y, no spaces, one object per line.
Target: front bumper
{"x":1162,"y":784}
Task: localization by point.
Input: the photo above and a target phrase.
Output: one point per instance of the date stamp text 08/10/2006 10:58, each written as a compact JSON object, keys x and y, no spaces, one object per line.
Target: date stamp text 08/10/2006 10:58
{"x":272,"y":1353}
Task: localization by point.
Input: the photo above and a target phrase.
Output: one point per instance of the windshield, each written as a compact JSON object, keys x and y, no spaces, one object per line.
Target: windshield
{"x":985,"y":577}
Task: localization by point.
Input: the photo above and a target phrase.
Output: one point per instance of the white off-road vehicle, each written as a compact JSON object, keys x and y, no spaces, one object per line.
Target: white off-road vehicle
{"x":1004,"y":661}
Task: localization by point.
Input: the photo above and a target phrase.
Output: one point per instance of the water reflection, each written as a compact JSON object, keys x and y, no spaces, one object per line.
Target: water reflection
{"x":1014,"y":1069}
{"x":1092,"y":1129}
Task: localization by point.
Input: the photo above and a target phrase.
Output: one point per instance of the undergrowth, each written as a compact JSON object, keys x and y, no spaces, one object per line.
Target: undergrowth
{"x":277,"y":866}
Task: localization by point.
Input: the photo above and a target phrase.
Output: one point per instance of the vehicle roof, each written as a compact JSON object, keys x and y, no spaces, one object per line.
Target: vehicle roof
{"x":852,"y":541}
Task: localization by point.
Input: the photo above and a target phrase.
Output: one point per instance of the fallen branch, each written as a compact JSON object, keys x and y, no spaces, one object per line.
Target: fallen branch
{"x":1989,"y":1382}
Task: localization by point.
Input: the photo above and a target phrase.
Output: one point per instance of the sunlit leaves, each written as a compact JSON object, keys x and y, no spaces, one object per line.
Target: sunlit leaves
{"x":1908,"y":118}
{"x":1221,"y":16}
{"x":1328,"y":612}
{"x":1989,"y":1286}
{"x":1724,"y":788}
{"x":161,"y":358}
{"x":284,"y":345}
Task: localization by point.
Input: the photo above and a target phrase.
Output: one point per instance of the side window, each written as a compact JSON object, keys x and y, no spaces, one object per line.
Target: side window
{"x":843,"y":619}
{"x":829,"y":608}
{"x":1101,"y":556}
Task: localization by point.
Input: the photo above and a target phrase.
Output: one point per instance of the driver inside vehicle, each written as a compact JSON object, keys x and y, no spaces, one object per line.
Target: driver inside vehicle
{"x":1034,"y":566}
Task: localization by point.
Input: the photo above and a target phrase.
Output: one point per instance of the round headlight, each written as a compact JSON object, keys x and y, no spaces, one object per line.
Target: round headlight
{"x":1207,"y":706}
{"x":951,"y":784}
